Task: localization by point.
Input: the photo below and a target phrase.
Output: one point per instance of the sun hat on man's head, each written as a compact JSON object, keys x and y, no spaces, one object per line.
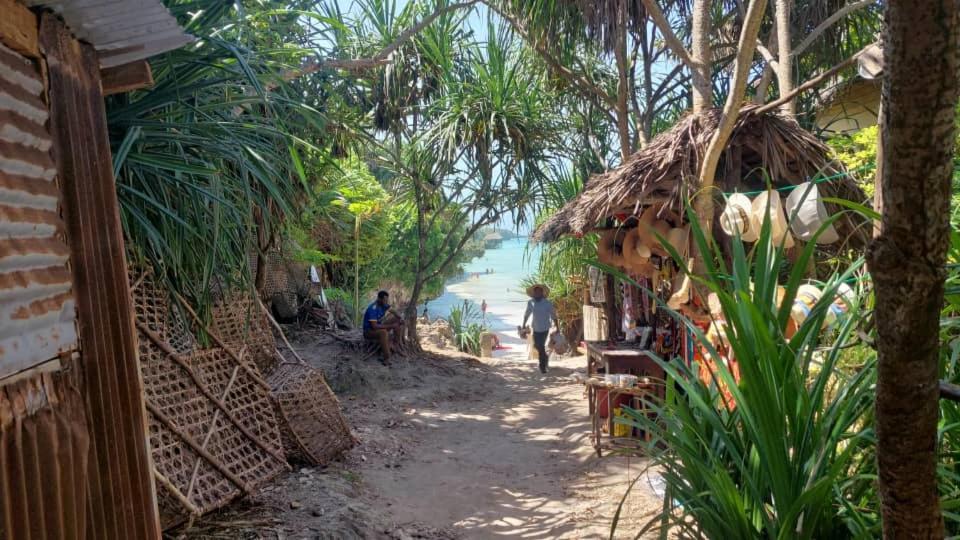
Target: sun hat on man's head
{"x":544,"y":288}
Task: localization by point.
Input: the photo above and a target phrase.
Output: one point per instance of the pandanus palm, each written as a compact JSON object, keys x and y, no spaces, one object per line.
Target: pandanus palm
{"x":211,"y":152}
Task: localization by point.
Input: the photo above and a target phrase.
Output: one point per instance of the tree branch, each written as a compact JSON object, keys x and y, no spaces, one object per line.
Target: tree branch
{"x":827,"y":23}
{"x":669,"y":37}
{"x":811,"y":83}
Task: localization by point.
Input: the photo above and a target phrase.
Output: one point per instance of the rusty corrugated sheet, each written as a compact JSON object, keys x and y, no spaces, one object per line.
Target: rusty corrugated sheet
{"x":44,"y":448}
{"x":37,"y":309}
{"x":121,"y":490}
{"x":122,"y":31}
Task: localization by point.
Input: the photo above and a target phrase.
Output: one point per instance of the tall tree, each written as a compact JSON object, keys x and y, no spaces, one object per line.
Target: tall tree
{"x":920,"y":90}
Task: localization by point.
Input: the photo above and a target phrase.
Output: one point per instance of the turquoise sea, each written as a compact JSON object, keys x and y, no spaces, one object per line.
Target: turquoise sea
{"x":506,"y":300}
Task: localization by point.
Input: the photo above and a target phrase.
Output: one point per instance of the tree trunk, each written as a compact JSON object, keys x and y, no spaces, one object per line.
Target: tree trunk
{"x":907,"y":259}
{"x":410,"y":315}
{"x":784,"y":58}
{"x":701,"y":56}
{"x":747,"y":46}
{"x":623,"y":84}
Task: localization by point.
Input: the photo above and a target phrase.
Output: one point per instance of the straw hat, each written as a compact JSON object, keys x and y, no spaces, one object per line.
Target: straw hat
{"x":662,"y":229}
{"x":681,"y":288}
{"x":610,"y":247}
{"x":736,"y":218}
{"x":546,"y":290}
{"x":779,"y":231}
{"x":636,"y":255}
{"x":635,"y":251}
{"x":677,"y":238}
{"x":807,"y":214}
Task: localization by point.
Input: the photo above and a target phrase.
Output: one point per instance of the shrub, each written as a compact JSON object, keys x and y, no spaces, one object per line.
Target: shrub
{"x":465,"y":321}
{"x":791,"y":454}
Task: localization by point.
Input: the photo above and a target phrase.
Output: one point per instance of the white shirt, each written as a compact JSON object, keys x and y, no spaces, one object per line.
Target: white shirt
{"x":543,"y":314}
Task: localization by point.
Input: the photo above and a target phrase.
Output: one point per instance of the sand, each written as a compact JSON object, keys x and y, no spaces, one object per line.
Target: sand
{"x":450,"y":447}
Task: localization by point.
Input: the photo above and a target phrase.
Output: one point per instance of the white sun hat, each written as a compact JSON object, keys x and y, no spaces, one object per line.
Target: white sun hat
{"x":807,"y":213}
{"x":779,"y":231}
{"x":735,"y":218}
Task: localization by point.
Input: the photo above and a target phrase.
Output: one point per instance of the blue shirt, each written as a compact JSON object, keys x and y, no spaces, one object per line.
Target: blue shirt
{"x":375,"y":312}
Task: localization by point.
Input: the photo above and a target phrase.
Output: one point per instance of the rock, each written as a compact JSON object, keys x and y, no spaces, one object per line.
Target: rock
{"x":316,"y":512}
{"x":294,"y":505}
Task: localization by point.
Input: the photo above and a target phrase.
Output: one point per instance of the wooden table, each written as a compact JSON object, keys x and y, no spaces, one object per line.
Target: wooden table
{"x":622,"y":358}
{"x":640,"y":397}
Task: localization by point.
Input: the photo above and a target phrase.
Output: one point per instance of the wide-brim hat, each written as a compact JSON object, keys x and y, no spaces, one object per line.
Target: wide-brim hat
{"x":736,"y":218}
{"x":769,"y":202}
{"x":635,"y":252}
{"x":610,"y":247}
{"x":546,"y":290}
{"x":807,"y":214}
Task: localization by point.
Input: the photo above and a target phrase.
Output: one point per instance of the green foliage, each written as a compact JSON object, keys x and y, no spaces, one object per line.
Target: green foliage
{"x":465,"y":321}
{"x":791,"y":454}
{"x":214,"y":149}
{"x":858,"y":151}
{"x":343,"y":297}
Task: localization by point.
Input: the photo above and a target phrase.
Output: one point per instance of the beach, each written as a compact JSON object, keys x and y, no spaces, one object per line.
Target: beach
{"x":506,"y":300}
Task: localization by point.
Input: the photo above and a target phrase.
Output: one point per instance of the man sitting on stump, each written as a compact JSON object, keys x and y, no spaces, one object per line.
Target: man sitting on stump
{"x":376,"y":329}
{"x":542,"y":311}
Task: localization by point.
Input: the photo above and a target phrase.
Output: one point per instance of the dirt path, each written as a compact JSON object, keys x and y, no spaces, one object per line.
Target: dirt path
{"x":452,"y":448}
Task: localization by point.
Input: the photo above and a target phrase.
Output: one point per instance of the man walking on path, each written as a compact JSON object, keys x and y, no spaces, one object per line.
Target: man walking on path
{"x":543,"y":313}
{"x":374,"y":327}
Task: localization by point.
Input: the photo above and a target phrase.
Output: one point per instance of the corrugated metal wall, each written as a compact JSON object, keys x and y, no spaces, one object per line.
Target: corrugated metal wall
{"x":44,"y":449}
{"x":123,"y":502}
{"x":37,"y":309}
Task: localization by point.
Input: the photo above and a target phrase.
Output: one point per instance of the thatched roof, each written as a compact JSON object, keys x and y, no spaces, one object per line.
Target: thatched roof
{"x":762,"y":145}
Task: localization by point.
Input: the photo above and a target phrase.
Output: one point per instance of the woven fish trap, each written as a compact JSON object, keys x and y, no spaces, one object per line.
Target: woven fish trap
{"x":312,"y":425}
{"x":214,"y":432}
{"x":241,"y":324}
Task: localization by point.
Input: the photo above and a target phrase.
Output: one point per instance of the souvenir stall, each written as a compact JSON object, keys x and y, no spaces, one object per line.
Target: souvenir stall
{"x":637,"y":210}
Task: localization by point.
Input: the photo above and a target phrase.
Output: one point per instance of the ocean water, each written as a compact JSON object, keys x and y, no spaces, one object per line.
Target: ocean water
{"x":506,"y":300}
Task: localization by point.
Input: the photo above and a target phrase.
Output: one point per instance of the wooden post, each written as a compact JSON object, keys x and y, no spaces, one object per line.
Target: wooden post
{"x":121,"y":490}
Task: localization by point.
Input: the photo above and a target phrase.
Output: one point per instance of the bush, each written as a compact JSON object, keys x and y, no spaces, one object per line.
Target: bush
{"x":791,"y":454}
{"x":465,"y":321}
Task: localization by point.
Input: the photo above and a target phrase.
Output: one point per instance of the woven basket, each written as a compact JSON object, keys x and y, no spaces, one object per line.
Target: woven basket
{"x":214,"y":433}
{"x":314,"y":430}
{"x":241,"y":324}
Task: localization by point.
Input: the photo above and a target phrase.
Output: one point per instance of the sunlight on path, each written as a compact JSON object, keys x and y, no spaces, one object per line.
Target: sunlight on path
{"x":515,"y":463}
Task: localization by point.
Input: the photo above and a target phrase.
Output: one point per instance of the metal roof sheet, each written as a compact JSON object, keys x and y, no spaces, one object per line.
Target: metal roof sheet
{"x":122,"y":31}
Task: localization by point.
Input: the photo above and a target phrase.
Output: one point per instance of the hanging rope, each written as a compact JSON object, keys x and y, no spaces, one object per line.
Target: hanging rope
{"x":817,"y":181}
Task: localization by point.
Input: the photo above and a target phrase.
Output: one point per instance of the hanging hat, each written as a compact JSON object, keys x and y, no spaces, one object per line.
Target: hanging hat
{"x":769,"y":203}
{"x":544,"y":288}
{"x":658,"y":234}
{"x":681,"y":289}
{"x":677,"y":237}
{"x":845,"y":295}
{"x":736,"y":219}
{"x":635,"y":251}
{"x":807,"y":297}
{"x":713,"y":303}
{"x":610,"y":247}
{"x":807,"y":213}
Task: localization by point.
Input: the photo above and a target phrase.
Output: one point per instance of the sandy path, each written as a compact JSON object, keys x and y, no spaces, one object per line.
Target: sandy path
{"x":517,"y":462}
{"x":449,"y":447}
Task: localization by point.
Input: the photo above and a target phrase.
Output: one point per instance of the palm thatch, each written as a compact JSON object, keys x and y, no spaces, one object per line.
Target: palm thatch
{"x":763,"y":146}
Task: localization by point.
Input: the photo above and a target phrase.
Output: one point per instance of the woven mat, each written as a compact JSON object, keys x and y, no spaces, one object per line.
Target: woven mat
{"x":214,"y":433}
{"x":313,"y":428}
